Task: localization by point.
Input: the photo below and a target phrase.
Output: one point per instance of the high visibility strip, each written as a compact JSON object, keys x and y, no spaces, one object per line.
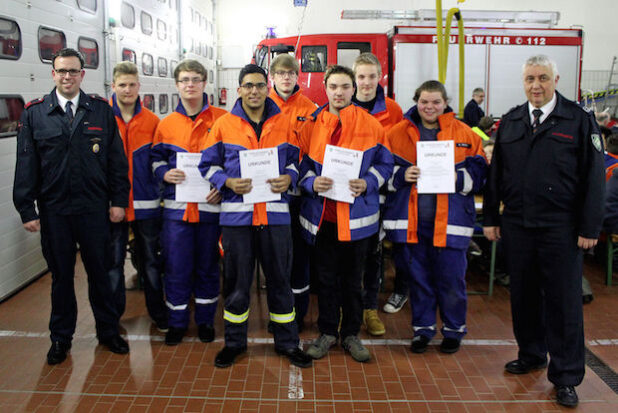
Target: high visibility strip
{"x":300,"y":290}
{"x":467,"y":186}
{"x":171,"y":204}
{"x":391,"y":186}
{"x":461,"y":329}
{"x":206,"y":300}
{"x":292,"y":167}
{"x":459,"y":230}
{"x":235,"y":318}
{"x":155,"y":165}
{"x":309,"y":174}
{"x":393,"y":224}
{"x":379,"y":177}
{"x":236,"y":207}
{"x":206,"y":207}
{"x":176,"y":307}
{"x":305,"y":223}
{"x":211,"y":171}
{"x":283,"y":318}
{"x":417,"y":328}
{"x":364,"y":221}
{"x":277,"y":207}
{"x":146,"y":204}
{"x":295,"y":191}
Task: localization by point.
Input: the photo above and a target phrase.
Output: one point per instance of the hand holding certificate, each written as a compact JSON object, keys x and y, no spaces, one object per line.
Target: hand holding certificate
{"x":260,"y":165}
{"x":436,"y":161}
{"x":341,"y":165}
{"x":194,"y":188}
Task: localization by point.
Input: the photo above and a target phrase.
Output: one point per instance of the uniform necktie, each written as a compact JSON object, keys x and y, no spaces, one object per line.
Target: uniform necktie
{"x":537,"y":113}
{"x":69,"y":111}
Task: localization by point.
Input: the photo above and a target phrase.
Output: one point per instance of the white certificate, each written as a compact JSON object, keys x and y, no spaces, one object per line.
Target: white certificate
{"x":259,"y":165}
{"x":194,"y":188}
{"x":341,"y":165}
{"x":436,"y":160}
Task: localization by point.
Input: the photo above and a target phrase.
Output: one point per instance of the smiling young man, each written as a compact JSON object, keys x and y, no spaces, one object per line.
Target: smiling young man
{"x":191,"y":230}
{"x":548,"y":171}
{"x":137,"y":126}
{"x":340,"y":231}
{"x":370,"y":96}
{"x":254,"y":230}
{"x":70,"y":161}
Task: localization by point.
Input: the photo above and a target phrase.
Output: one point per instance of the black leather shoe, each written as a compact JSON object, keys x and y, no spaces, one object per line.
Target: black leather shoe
{"x":521,"y":367}
{"x":296,"y":356}
{"x":587,"y":299}
{"x":227,"y":356}
{"x":115,"y":344}
{"x":206,"y":333}
{"x":566,"y":396}
{"x":58,"y":352}
{"x":419,"y":344}
{"x":174,"y":335}
{"x":449,"y":345}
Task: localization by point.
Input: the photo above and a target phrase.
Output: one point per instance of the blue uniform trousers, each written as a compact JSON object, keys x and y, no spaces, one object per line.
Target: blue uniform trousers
{"x":272,"y":246}
{"x":146,"y":234}
{"x":191,"y":257}
{"x":437,"y":280}
{"x":373,"y":273}
{"x":300,"y":263}
{"x":60,"y":235}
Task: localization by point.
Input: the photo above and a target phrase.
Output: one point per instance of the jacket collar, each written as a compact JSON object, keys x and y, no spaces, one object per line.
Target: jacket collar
{"x":51,"y":102}
{"x":413,"y":116}
{"x":181,"y":109}
{"x":274,"y":95}
{"x":116,"y":108}
{"x":561,"y":110}
{"x":270,"y":109}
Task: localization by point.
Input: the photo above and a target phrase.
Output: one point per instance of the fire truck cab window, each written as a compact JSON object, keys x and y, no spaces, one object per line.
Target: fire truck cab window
{"x":148,"y":102}
{"x":10,"y":112}
{"x":128,"y":55}
{"x":348,"y":51}
{"x":161,"y":30}
{"x":10,"y":39}
{"x":162,"y":66}
{"x":146,"y":23}
{"x":147,"y":64}
{"x":87,"y":5}
{"x":163,"y":104}
{"x":261,"y":58}
{"x":50,"y":41}
{"x":173,"y":64}
{"x":127,"y":15}
{"x":175,"y":99}
{"x":313,"y":59}
{"x":90,"y":50}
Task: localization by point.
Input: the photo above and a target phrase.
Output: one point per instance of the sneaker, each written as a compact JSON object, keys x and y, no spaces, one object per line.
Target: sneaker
{"x":374,"y":325}
{"x":162,"y":326}
{"x":320,"y":347}
{"x":395,"y":303}
{"x":353,"y":345}
{"x":206,"y":333}
{"x":419,"y":344}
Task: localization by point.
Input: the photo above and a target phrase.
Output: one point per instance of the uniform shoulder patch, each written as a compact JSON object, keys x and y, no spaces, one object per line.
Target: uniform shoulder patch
{"x":33,"y":102}
{"x":596,"y":142}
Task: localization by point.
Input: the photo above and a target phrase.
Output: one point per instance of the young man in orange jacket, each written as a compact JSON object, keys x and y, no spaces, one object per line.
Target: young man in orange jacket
{"x":370,"y":96}
{"x":339,"y":230}
{"x":298,"y":108}
{"x":254,"y":230}
{"x":191,"y":230}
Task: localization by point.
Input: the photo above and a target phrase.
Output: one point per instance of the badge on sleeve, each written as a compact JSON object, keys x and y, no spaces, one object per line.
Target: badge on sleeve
{"x":596,"y":141}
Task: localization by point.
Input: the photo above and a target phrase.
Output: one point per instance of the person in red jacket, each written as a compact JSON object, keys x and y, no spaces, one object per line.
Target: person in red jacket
{"x":432,"y":231}
{"x":370,"y":96}
{"x":298,"y":109}
{"x":191,"y":230}
{"x":137,"y":126}
{"x":341,"y":230}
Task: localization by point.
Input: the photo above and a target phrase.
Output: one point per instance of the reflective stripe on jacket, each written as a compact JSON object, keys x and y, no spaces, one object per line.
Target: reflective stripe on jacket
{"x":178,"y":133}
{"x":359,"y":131}
{"x":455,"y":213}
{"x":137,"y":135}
{"x":220,"y":160}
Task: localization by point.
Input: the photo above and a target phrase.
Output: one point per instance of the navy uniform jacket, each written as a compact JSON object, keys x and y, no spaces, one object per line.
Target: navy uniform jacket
{"x":473,"y":113}
{"x":555,"y":177}
{"x":69,"y":169}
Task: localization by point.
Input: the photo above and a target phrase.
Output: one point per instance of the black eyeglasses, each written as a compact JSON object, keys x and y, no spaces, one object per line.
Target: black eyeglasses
{"x":71,"y":72}
{"x":249,"y":86}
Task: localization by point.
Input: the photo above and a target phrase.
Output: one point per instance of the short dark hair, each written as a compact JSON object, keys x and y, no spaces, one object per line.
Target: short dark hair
{"x":339,"y":70}
{"x":485,"y":123}
{"x":612,"y":143}
{"x":248,"y":69}
{"x":431,"y":86}
{"x":68,"y":52}
{"x":190,"y":65}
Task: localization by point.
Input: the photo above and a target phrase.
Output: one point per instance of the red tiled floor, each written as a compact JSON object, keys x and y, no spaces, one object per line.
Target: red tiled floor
{"x":154,"y":377}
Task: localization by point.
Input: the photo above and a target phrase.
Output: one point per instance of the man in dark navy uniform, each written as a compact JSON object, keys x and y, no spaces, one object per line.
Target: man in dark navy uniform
{"x":547,"y":169}
{"x":71,"y":162}
{"x":473,"y":112}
